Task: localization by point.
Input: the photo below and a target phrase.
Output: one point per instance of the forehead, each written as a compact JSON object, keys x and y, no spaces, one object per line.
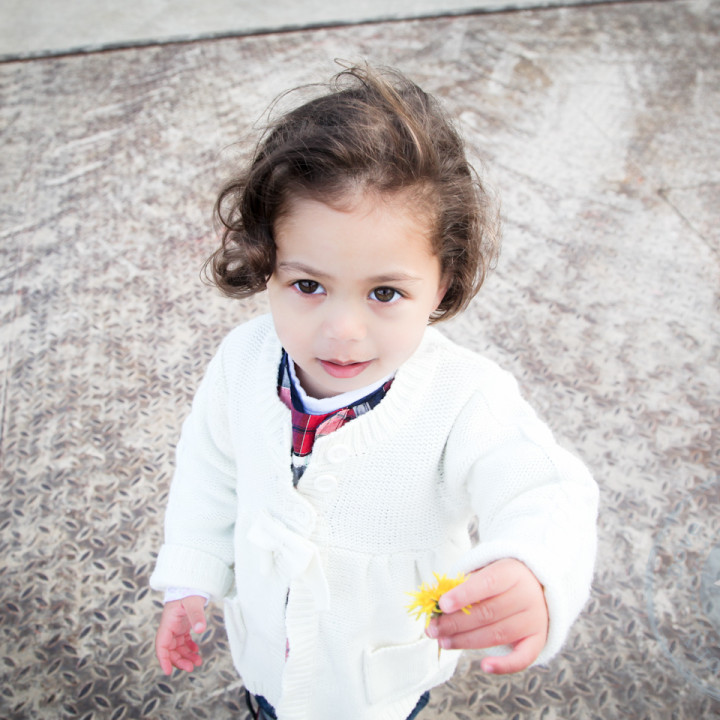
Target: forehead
{"x":408,"y":208}
{"x":364,"y":235}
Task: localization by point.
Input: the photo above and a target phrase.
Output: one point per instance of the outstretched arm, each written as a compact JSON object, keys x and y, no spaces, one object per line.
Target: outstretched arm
{"x":507,"y":608}
{"x":534,"y":502}
{"x":173,"y":644}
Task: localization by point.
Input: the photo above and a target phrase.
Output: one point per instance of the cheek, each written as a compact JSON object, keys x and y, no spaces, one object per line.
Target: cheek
{"x":402,"y":338}
{"x":293,"y":326}
{"x":287,"y":331}
{"x":281,"y":312}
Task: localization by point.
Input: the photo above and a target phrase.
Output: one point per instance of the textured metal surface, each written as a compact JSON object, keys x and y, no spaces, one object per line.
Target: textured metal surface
{"x":599,"y":126}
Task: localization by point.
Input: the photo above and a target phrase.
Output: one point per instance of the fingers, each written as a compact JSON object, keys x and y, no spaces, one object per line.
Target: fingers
{"x":163,"y":656}
{"x":185,"y":658}
{"x":488,"y":582}
{"x":174,"y":646}
{"x":523,"y":655}
{"x":521,"y":631}
{"x":194,"y":606}
{"x":506,"y":607}
{"x":481,"y":614}
{"x":164,"y":641}
{"x":506,"y":632}
{"x":177,"y":651}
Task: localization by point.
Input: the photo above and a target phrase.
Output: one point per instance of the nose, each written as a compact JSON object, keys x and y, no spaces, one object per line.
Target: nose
{"x":344,"y":322}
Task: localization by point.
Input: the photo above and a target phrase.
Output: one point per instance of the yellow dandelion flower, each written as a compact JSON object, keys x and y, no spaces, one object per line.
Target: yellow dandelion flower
{"x":427,"y":598}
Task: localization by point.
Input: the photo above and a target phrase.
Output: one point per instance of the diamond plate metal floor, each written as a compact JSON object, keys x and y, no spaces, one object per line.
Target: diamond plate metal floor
{"x":599,"y":127}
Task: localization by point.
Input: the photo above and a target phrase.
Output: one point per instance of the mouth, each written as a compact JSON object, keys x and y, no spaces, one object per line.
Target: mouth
{"x":339,"y":369}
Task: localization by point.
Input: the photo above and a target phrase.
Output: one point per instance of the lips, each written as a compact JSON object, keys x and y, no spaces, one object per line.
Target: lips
{"x":340,"y":369}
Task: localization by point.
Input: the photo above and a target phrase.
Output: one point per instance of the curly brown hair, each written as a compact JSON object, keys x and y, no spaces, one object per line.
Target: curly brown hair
{"x":373,"y":130}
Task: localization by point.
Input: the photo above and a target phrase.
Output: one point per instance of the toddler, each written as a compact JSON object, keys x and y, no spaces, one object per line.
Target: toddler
{"x":338,"y":448}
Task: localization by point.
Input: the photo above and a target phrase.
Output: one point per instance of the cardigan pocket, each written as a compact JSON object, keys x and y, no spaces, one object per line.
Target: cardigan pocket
{"x":393,"y":672}
{"x":235,"y":628}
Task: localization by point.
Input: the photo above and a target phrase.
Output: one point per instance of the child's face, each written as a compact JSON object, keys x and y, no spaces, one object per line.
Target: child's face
{"x":352,"y":290}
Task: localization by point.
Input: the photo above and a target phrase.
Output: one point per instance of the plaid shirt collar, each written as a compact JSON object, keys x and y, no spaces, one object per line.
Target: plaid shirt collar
{"x":308,"y":427}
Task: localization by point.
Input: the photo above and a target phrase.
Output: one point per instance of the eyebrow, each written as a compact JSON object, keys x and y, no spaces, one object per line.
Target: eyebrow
{"x":391,"y":277}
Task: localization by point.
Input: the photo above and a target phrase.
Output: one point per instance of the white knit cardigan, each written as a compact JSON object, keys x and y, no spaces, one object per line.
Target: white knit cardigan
{"x":385,"y":502}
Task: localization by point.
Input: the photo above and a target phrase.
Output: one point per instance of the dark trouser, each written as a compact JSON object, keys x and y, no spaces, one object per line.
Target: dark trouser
{"x":265,"y":710}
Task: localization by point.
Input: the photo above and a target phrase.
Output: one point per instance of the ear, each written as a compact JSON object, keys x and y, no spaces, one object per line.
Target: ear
{"x":442,"y":290}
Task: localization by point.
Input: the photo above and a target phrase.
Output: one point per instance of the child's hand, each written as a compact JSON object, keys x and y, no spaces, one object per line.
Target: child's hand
{"x":508,"y":608}
{"x":173,"y":644}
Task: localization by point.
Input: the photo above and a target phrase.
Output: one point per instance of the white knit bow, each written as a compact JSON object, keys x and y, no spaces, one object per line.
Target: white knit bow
{"x":291,"y":555}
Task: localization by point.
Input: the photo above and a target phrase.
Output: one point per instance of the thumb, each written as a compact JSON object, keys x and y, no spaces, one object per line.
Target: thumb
{"x":195,"y":608}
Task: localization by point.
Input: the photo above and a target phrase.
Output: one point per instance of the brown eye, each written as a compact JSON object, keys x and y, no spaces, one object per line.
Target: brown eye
{"x":308,"y":287}
{"x":385,"y":294}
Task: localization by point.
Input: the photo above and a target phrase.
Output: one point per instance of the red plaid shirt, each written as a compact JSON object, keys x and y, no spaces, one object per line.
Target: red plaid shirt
{"x":306,"y":427}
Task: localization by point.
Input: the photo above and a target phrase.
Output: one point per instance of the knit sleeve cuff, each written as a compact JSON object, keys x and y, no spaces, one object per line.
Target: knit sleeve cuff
{"x":180,"y":566}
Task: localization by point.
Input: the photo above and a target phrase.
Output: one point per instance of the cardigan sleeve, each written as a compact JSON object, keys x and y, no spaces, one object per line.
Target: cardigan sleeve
{"x":534,"y":501}
{"x":201,"y":509}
